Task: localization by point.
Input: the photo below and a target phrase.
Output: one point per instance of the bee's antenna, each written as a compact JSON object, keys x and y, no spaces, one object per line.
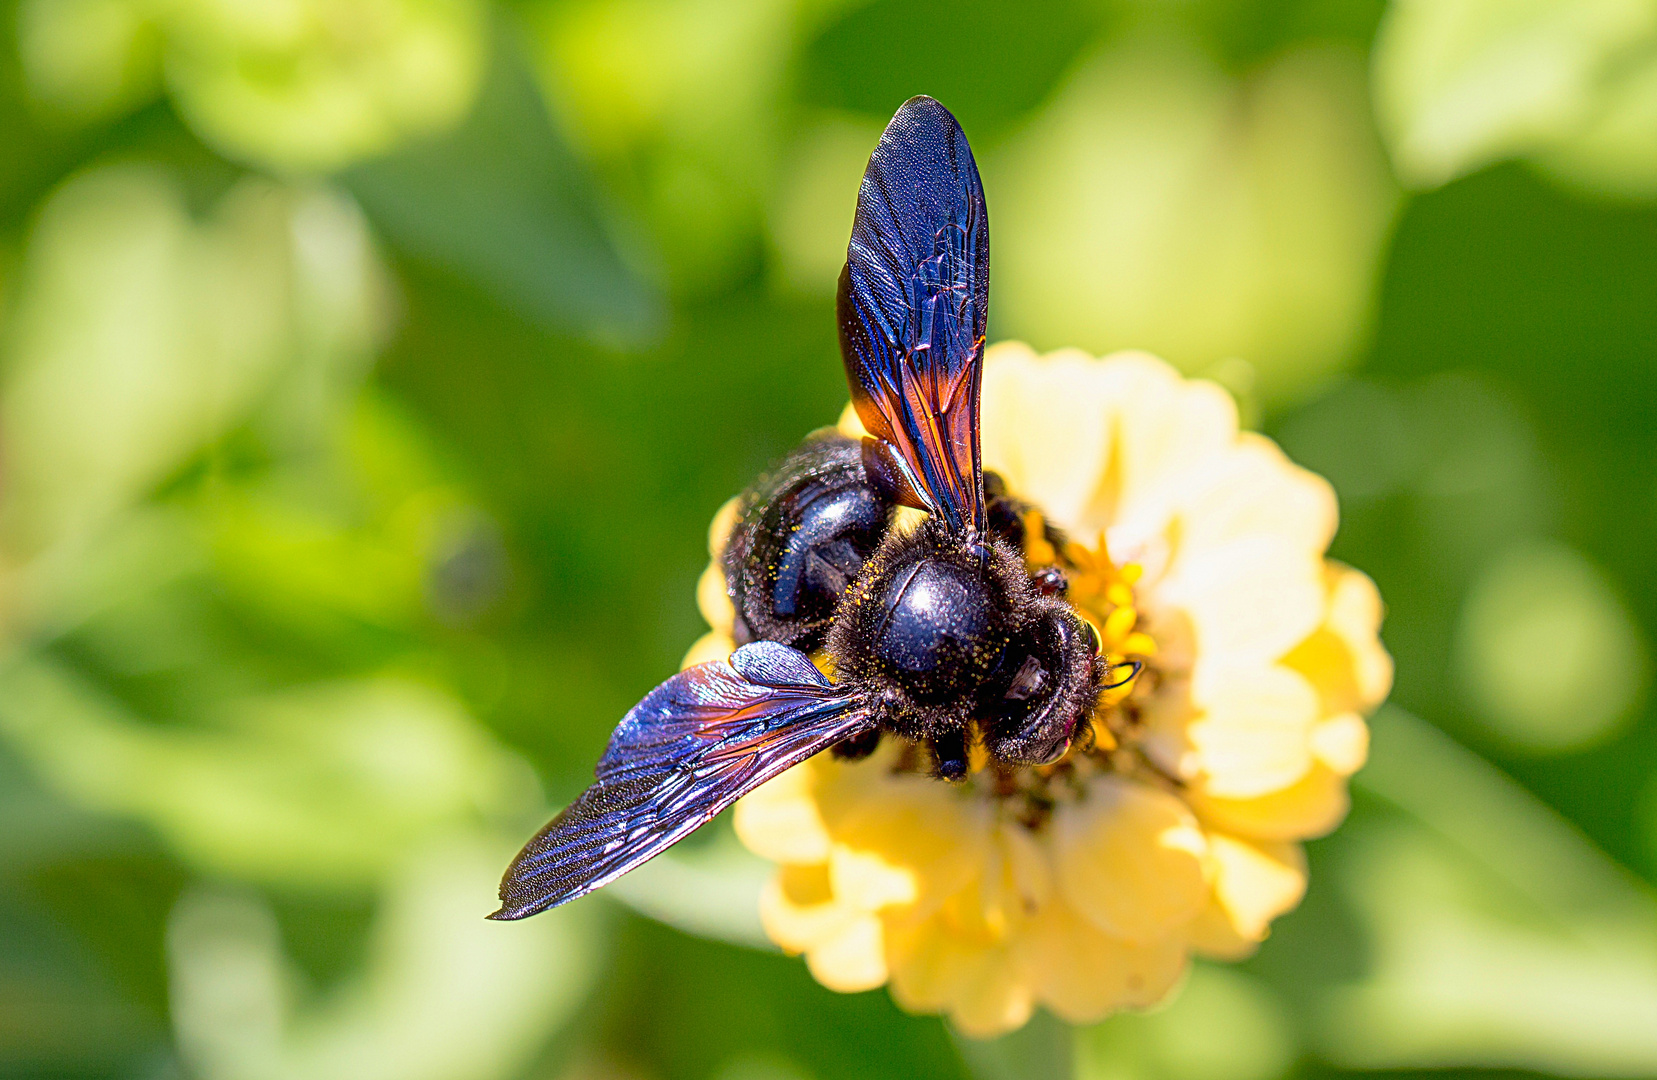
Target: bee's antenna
{"x":1136,"y":665}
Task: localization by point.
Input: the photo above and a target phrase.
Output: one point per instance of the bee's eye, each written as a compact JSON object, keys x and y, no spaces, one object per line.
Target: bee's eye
{"x":1031,"y":717}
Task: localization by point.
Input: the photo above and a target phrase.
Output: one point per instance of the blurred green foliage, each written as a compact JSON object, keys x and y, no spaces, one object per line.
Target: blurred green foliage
{"x":370,"y":369}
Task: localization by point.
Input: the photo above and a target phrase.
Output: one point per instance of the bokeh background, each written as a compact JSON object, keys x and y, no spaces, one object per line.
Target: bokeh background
{"x":370,"y":370}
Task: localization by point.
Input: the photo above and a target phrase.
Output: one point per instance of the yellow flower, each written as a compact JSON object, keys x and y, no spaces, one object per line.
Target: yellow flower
{"x":1194,"y":548}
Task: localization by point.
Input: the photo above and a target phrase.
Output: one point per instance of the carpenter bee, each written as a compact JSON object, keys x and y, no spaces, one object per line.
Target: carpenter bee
{"x":936,"y":633}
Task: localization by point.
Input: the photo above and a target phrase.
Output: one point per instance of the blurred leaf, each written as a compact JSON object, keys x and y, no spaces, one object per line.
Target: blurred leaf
{"x":1548,"y":652}
{"x":1462,"y":83}
{"x":116,"y":903}
{"x":1159,"y":204}
{"x":679,"y":1006}
{"x":82,"y":981}
{"x":1040,"y":1050}
{"x":325,"y":785}
{"x":89,"y":60}
{"x":810,"y":214}
{"x":142,"y":334}
{"x":1519,"y":311}
{"x":752,"y":1066}
{"x":1615,"y":153}
{"x":1222,"y":1025}
{"x":988,"y":62}
{"x":502,"y":204}
{"x":315,"y":85}
{"x":1501,"y":938}
{"x":444,"y":994}
{"x":300,"y":86}
{"x":678,"y":102}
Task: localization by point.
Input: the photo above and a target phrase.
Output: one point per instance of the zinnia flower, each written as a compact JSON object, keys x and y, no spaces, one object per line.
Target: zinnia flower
{"x":1085,"y":886}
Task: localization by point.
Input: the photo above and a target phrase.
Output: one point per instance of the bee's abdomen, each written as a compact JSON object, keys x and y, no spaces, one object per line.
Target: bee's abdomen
{"x":804,"y":536}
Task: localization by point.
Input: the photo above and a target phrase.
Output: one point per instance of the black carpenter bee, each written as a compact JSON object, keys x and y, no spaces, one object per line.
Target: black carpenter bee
{"x":938,"y":633}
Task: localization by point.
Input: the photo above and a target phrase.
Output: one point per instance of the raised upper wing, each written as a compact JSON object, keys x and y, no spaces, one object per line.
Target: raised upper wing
{"x":912,"y":306}
{"x":693,"y":746}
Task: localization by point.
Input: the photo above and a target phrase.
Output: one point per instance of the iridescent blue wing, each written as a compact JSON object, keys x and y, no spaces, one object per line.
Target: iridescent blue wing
{"x":692,"y":747}
{"x":912,"y":305}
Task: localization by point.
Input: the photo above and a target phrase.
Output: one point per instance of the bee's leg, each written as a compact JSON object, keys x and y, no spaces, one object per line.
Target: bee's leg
{"x":949,"y":755}
{"x":857,"y":747}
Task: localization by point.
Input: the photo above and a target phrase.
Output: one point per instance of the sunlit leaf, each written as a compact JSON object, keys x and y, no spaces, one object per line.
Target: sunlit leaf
{"x":1500,"y":937}
{"x":444,"y":994}
{"x":1223,"y":1025}
{"x":90,"y":59}
{"x":1548,"y":652}
{"x":679,"y":102}
{"x":140,"y":335}
{"x":314,"y":85}
{"x":326,"y":785}
{"x":1462,"y":83}
{"x":1159,"y":204}
{"x":1041,"y":1050}
{"x":712,"y":891}
{"x":501,"y":204}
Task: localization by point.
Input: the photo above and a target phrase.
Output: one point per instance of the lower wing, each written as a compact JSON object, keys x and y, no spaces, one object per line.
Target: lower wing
{"x":692,"y":747}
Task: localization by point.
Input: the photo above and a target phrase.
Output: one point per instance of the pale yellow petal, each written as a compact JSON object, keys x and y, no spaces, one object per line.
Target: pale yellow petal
{"x":1249,"y":601}
{"x":850,"y":424}
{"x":779,"y":820}
{"x":713,"y":645}
{"x":724,"y":520}
{"x":1254,"y":735}
{"x":980,"y":987}
{"x":798,"y":909}
{"x":1083,"y":974}
{"x":1046,"y":427}
{"x":1255,"y":882}
{"x":1310,"y":807}
{"x":906,"y":841}
{"x":712,"y":599}
{"x":1355,"y":613}
{"x":1165,"y":429}
{"x":1131,"y":858}
{"x":992,"y":999}
{"x":852,"y":959}
{"x":1342,"y":743}
{"x":1029,"y":867}
{"x":1344,"y":657}
{"x":928,"y":965}
{"x":1254,"y":490}
{"x":1212,"y":934}
{"x":870,"y":880}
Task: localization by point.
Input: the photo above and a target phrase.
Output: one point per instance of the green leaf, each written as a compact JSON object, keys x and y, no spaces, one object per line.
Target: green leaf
{"x":1500,"y":937}
{"x":1462,"y":83}
{"x":501,"y":204}
{"x":444,"y":994}
{"x":323,"y":786}
{"x":1043,"y":1049}
{"x":1159,"y":203}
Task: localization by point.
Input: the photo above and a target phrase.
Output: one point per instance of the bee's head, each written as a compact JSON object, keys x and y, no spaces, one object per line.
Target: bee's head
{"x":1045,"y":688}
